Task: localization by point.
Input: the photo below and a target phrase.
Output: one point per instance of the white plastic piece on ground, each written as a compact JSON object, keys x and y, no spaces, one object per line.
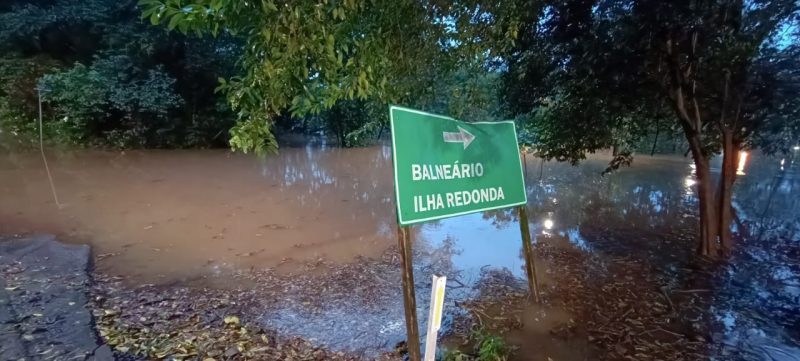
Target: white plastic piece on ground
{"x":435,"y":316}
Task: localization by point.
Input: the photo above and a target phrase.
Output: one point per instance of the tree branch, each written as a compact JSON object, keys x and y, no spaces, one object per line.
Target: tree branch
{"x":698,"y":123}
{"x":676,"y":89}
{"x":725,"y":91}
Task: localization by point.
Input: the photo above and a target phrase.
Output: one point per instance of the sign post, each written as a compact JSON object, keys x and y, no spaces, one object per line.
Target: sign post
{"x":527,"y":249}
{"x":444,"y":168}
{"x":409,"y":299}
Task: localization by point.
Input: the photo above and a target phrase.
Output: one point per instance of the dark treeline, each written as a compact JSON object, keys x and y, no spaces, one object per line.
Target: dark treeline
{"x":108,"y":78}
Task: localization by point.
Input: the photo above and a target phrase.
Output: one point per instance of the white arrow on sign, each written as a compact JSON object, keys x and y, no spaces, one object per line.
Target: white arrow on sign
{"x":462,"y":136}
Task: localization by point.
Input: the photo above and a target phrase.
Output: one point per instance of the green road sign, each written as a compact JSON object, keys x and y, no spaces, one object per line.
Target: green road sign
{"x":444,"y":167}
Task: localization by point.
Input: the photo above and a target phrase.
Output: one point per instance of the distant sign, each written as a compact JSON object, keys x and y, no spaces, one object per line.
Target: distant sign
{"x":444,"y":167}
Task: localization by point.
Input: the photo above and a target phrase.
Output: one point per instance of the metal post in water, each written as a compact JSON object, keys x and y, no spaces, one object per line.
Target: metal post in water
{"x":41,"y":148}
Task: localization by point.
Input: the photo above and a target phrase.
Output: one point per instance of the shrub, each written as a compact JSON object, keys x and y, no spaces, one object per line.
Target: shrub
{"x":112,"y":101}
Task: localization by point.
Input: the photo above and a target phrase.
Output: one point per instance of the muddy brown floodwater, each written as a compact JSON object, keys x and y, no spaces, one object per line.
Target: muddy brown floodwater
{"x":194,"y":217}
{"x":167,"y":215}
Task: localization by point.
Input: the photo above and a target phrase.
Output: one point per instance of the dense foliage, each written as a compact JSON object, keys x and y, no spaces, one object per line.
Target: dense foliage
{"x":109,"y":78}
{"x":601,"y":74}
{"x":307,"y":56}
{"x":86,"y":97}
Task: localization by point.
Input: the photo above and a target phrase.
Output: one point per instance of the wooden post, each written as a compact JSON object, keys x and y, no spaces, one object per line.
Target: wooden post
{"x":530,"y":266}
{"x":409,"y":299}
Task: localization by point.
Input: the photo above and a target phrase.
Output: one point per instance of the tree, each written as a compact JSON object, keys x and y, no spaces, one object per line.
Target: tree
{"x":720,"y":69}
{"x":86,"y":97}
{"x":469,"y":94}
{"x":354,"y":122}
{"x":308,"y":55}
{"x":111,"y":71}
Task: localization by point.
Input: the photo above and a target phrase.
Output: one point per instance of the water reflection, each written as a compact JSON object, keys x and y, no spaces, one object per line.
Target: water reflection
{"x":478,"y":243}
{"x":742,"y":163}
{"x":548,"y":224}
{"x":575,"y":238}
{"x":175,"y":213}
{"x":660,"y":195}
{"x":759,"y":306}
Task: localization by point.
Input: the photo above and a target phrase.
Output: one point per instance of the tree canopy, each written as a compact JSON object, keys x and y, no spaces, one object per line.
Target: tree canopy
{"x":111,"y":79}
{"x":597,"y":74}
{"x":308,"y":55}
{"x":723,"y":71}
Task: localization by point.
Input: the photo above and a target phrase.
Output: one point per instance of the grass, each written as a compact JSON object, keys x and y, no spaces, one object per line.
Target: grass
{"x":487,"y":347}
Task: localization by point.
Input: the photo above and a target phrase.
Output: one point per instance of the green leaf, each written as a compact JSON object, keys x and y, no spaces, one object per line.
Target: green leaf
{"x":174,"y":21}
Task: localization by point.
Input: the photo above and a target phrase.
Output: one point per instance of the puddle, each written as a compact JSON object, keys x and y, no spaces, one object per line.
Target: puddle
{"x":536,"y":339}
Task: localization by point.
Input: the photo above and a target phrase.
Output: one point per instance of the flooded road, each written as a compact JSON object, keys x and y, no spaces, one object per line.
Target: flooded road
{"x":163,"y":216}
{"x":188,"y":217}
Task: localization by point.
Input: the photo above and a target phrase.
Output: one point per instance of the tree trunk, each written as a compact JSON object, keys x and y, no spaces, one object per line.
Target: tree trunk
{"x":674,"y":144}
{"x":708,"y":211}
{"x":725,"y":196}
{"x":705,"y":197}
{"x":655,"y":141}
{"x":682,"y":92}
{"x":380,"y":133}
